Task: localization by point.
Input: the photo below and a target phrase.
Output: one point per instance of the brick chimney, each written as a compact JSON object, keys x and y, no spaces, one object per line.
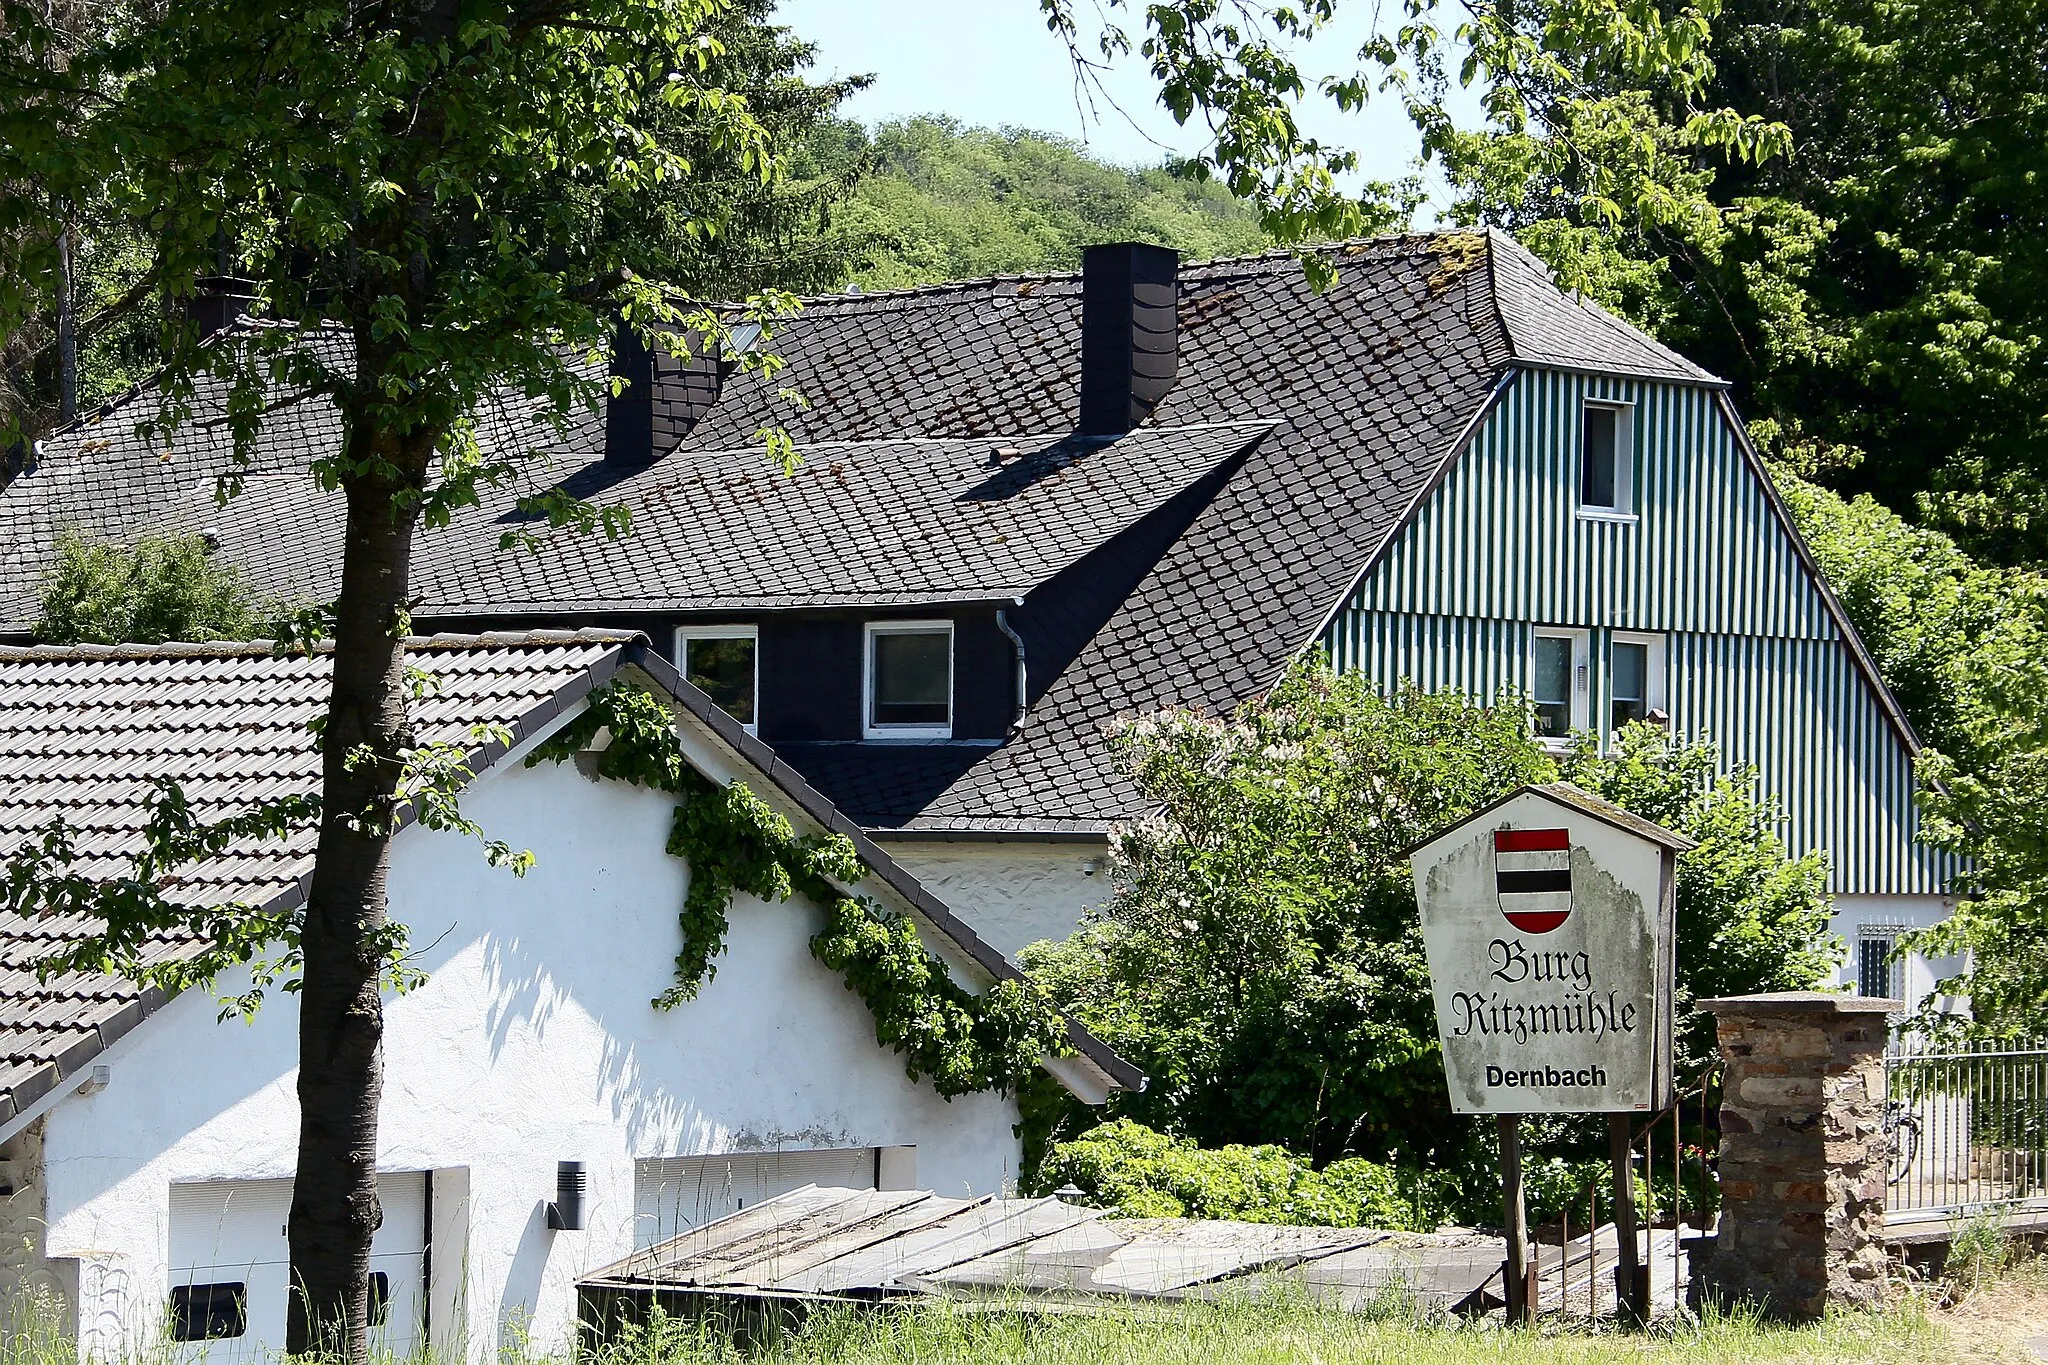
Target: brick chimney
{"x":1130,"y":333}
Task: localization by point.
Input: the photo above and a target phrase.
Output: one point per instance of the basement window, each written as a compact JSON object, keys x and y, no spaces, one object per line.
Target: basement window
{"x":1557,"y":685}
{"x":1876,"y":977}
{"x":1606,"y":461}
{"x":209,"y":1312}
{"x":720,"y":662}
{"x":909,"y":686}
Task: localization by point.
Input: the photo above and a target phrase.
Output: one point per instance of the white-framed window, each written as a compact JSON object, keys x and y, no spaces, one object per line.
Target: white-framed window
{"x":722,"y":662}
{"x":908,"y":683}
{"x":1557,"y":683}
{"x":1607,"y":460}
{"x":1635,"y":678}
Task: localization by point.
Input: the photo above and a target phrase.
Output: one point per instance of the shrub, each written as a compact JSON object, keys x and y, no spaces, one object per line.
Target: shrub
{"x":163,"y":588}
{"x":1260,"y":957}
{"x":1140,"y":1173}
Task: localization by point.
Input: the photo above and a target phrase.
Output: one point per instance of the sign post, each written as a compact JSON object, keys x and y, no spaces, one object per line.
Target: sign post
{"x":1549,"y":922}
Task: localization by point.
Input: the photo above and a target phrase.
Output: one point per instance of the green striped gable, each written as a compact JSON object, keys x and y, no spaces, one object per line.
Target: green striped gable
{"x":1754,"y":656}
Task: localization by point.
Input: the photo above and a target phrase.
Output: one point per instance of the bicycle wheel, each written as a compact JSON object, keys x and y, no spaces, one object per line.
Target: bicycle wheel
{"x":1904,"y":1132}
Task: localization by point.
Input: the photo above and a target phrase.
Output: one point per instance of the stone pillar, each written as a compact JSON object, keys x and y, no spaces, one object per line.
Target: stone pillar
{"x":1802,"y":1152}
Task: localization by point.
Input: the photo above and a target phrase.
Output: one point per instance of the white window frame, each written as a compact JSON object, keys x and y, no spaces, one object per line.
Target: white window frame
{"x":1655,"y":697}
{"x":868,"y":728}
{"x":687,"y":633}
{"x":1581,"y":686}
{"x":1624,"y":508}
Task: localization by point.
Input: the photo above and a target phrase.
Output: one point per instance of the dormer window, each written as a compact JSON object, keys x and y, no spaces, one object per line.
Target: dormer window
{"x":719,"y":661}
{"x":909,"y":693}
{"x":1606,"y":461}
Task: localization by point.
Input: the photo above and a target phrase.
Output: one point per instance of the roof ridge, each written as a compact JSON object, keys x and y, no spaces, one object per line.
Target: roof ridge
{"x":980,"y":282}
{"x":908,"y":439}
{"x":151,"y":380}
{"x":251,"y":649}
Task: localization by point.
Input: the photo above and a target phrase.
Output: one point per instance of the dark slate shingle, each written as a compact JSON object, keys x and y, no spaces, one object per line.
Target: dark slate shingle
{"x":1365,"y":388}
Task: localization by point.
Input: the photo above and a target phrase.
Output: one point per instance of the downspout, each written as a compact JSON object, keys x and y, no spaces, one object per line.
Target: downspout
{"x":1023,"y":677}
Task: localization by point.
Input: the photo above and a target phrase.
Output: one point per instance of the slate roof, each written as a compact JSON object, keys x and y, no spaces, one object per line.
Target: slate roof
{"x":860,"y":523}
{"x":1365,"y":391}
{"x":1550,"y":329}
{"x":1372,"y":383}
{"x":86,"y":728}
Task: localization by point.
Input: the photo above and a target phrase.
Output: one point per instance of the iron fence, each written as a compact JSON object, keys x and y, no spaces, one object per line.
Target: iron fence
{"x":1967,"y":1131}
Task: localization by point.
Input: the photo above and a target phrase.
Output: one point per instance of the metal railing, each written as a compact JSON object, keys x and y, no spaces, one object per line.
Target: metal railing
{"x":1967,"y":1130}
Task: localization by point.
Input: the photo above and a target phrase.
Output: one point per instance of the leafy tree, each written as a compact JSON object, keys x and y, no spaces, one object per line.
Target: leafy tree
{"x":1878,"y":294}
{"x":76,"y":338}
{"x":945,"y":202}
{"x":161,"y":588}
{"x":726,"y":231}
{"x":1964,"y":646}
{"x":1604,"y":148}
{"x":423,"y":181}
{"x":1261,"y":956}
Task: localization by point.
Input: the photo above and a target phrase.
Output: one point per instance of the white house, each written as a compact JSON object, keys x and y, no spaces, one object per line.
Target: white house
{"x":149,"y":1145}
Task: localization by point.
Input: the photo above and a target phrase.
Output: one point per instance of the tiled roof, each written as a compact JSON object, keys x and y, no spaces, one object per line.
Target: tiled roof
{"x":1366,"y":387}
{"x":1553,"y":330}
{"x":1373,"y":382}
{"x":860,"y":523}
{"x":86,"y":729}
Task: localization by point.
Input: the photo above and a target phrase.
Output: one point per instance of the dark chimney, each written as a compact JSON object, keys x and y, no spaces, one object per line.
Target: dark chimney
{"x":217,"y":301}
{"x":1130,"y":333}
{"x":666,"y":394}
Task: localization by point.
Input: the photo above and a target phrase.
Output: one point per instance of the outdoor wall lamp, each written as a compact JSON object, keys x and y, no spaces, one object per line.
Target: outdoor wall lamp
{"x":566,"y":1213}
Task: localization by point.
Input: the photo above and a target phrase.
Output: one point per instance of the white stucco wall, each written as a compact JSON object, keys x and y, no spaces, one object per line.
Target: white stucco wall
{"x":1012,"y":892}
{"x":1885,"y":915}
{"x":532,"y":1042}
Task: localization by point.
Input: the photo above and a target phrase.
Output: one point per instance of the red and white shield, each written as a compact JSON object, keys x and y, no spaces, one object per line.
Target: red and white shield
{"x":1532,"y":871}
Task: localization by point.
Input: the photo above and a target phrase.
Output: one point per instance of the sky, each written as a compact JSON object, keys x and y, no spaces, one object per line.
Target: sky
{"x":992,"y":63}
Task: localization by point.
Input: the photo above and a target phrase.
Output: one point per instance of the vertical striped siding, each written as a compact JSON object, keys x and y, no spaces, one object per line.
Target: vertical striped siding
{"x":1753,"y":659}
{"x":1480,"y":658}
{"x":1800,"y":711}
{"x":1501,"y":539}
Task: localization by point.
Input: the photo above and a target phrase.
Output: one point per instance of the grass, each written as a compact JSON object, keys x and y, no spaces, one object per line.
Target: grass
{"x":1273,"y":1334}
{"x":1989,"y":1326}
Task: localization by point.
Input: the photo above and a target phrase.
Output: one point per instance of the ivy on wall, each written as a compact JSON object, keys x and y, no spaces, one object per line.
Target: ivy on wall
{"x":734,"y":842}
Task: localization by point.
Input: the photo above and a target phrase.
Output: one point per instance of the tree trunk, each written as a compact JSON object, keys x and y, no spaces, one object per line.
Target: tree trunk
{"x":341,"y":1015}
{"x":67,"y":316}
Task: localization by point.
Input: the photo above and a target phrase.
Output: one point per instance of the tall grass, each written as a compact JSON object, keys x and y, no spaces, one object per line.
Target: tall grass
{"x":1251,"y":1333}
{"x":1237,"y":1333}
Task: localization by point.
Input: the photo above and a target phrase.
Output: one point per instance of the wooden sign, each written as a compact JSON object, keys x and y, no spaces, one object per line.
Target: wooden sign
{"x":1548,"y":919}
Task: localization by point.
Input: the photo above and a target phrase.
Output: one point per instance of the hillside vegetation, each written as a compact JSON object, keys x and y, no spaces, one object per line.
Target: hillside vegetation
{"x":936,"y":200}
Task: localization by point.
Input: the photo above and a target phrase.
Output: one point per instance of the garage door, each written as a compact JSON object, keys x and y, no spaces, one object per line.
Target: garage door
{"x":230,"y":1266}
{"x":673,"y":1194}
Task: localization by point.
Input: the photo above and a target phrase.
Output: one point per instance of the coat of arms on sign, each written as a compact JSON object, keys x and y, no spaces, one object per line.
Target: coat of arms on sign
{"x":1532,"y":871}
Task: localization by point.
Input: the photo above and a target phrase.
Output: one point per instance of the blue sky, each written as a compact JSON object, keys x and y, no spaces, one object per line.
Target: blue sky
{"x":991,"y":62}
